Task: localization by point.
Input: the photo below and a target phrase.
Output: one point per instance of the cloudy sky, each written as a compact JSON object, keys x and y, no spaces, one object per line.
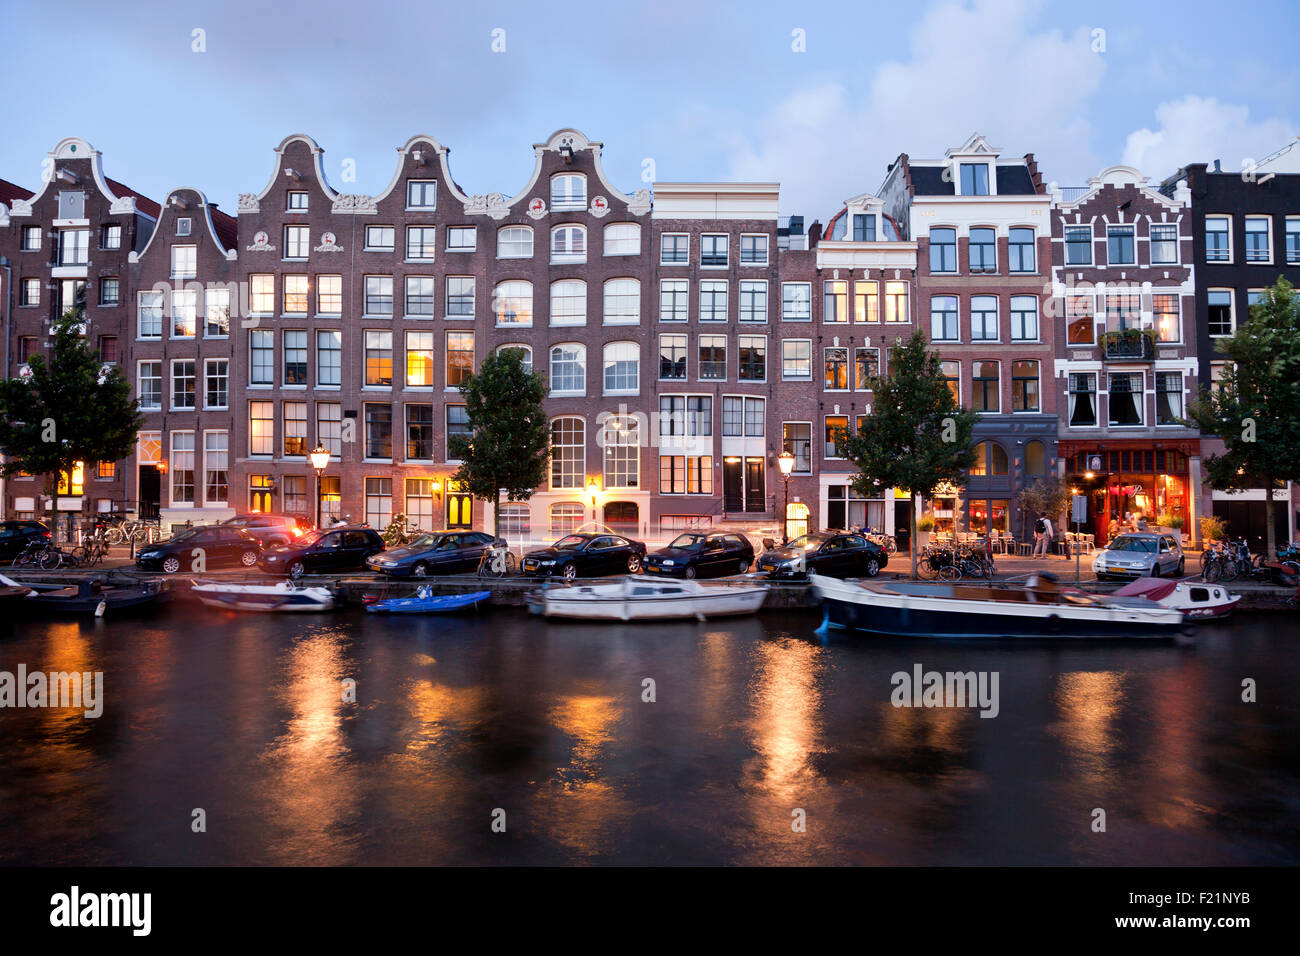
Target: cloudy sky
{"x":818,"y":96}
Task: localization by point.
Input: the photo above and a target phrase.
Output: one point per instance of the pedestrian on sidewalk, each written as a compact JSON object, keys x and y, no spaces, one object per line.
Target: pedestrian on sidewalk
{"x":1042,"y":536}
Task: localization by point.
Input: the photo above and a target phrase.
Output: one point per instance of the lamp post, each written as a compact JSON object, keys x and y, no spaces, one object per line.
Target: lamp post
{"x":320,"y":458}
{"x":785,"y":462}
{"x":593,"y":488}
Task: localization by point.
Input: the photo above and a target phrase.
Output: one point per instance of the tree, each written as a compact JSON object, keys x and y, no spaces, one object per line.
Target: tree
{"x":1255,"y":406}
{"x":70,"y":408}
{"x":917,"y":436}
{"x":509,"y":441}
{"x":1045,"y":496}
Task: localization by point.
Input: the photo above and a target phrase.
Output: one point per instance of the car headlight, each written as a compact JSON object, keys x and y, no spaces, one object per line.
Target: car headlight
{"x":150,"y":555}
{"x":667,"y":562}
{"x":547,"y":564}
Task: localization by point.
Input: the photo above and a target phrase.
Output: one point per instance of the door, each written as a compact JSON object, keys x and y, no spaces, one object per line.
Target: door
{"x":150,"y":491}
{"x":356,"y":548}
{"x":713,"y":556}
{"x":327,"y":555}
{"x":733,"y":488}
{"x":903,"y":523}
{"x":755,"y":497}
{"x":460,"y":509}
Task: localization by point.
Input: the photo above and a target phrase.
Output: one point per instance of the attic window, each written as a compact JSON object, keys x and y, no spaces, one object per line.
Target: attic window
{"x":974,"y":179}
{"x":297,"y":202}
{"x":864,"y":227}
{"x":183,"y":227}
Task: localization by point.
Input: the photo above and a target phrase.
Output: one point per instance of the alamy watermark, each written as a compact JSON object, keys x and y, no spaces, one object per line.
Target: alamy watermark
{"x":922,"y":688}
{"x":53,"y":689}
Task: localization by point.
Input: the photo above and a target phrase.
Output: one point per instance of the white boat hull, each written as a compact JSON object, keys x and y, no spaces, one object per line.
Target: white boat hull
{"x":650,"y":600}
{"x":282,"y":597}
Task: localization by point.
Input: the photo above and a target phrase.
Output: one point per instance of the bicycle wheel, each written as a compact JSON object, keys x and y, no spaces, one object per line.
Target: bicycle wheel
{"x":1228,"y":570}
{"x":949,"y":572}
{"x":52,"y":559}
{"x":925,"y":567}
{"x":1210,"y":571}
{"x":114,"y":535}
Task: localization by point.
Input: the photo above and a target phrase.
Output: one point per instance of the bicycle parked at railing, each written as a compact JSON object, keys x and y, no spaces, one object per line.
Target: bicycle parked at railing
{"x":91,"y":552}
{"x":886,"y":541}
{"x":38,"y":554}
{"x":497,"y":561}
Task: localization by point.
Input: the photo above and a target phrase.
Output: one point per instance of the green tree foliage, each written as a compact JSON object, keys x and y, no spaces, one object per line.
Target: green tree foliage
{"x":509,"y":444}
{"x":1048,"y":496}
{"x":917,"y":436}
{"x":1255,"y":408}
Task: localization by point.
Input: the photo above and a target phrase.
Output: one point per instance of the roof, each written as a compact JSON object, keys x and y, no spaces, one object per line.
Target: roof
{"x":1012,"y":181}
{"x":142,"y":202}
{"x":226,"y":226}
{"x":11,"y":191}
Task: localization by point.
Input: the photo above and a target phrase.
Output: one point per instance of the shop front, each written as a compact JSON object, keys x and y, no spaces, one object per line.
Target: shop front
{"x":1127,"y":480}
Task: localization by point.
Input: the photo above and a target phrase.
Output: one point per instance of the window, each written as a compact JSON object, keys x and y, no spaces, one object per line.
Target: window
{"x":990,"y":459}
{"x":1258,"y":246}
{"x":379,"y":295}
{"x":986,"y":396}
{"x":796,"y":301}
{"x":1218,"y":239}
{"x":525,"y":354}
{"x":460,"y":297}
{"x":1024,"y":386}
{"x":379,"y":502}
{"x":896,"y":309}
{"x":1078,"y":245}
{"x":27,"y":348}
{"x":569,"y":191}
{"x":419,"y":359}
{"x":622,"y":239}
{"x":216,"y":383}
{"x":752,"y":352}
{"x":569,"y":302}
{"x":110,"y":291}
{"x":622,"y":452}
{"x":381,"y":238}
{"x":1125,"y":398}
{"x":513,"y":303}
{"x":622,"y":368}
{"x":32,"y":296}
{"x":1020,"y":248}
{"x":984,"y":318}
{"x":1221,"y":320}
{"x":836,"y":426}
{"x":713,"y":250}
{"x":460,"y":357}
{"x":866,"y":302}
{"x":329,"y":427}
{"x":943,"y":318}
{"x":864,"y":227}
{"x":421,"y":194}
{"x":672,"y":357}
{"x":296,"y":201}
{"x":566,"y":517}
{"x":713,"y":357}
{"x":379,"y":430}
{"x":983,"y":250}
{"x":1123,"y":310}
{"x":835,"y":306}
{"x":713,"y":300}
{"x":952,"y":376}
{"x":1169,"y":398}
{"x":295,"y":295}
{"x":568,"y":244}
{"x":1083,"y":399}
{"x":568,"y":454}
{"x":420,"y":298}
{"x":743,"y":416}
{"x":753,"y":301}
{"x":329,"y":357}
{"x":74,"y":248}
{"x":184,"y":263}
{"x":297,"y":242}
{"x":1024,"y":318}
{"x":182,"y":468}
{"x":796,"y":360}
{"x":421,"y":242}
{"x":796,"y":438}
{"x":1119,"y":246}
{"x":673,"y":300}
{"x":753,"y":250}
{"x":515,"y":242}
{"x":148,"y":385}
{"x":866,"y":365}
{"x":261,"y":294}
{"x":1079,"y":319}
{"x":837,"y":369}
{"x":379,"y":357}
{"x":295,"y":357}
{"x":261,"y":357}
{"x":622,"y":302}
{"x":261,"y":428}
{"x":974,"y":179}
{"x":216,"y":462}
{"x":568,"y":369}
{"x":108,"y":349}
{"x":674,"y":249}
{"x":216,"y":307}
{"x":685,"y":416}
{"x":1164,"y":243}
{"x":295,"y":429}
{"x":943,"y":249}
{"x":686,"y":475}
{"x":1165,"y":313}
{"x":329,"y":295}
{"x":1292,"y":240}
{"x":31,"y":238}
{"x":420,"y":504}
{"x":462,"y":238}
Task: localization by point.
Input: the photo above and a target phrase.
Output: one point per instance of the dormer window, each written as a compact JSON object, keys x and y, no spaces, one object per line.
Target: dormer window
{"x":421,"y":194}
{"x":974,"y":179}
{"x":297,"y":202}
{"x":183,"y":226}
{"x":864,"y":227}
{"x":569,"y":191}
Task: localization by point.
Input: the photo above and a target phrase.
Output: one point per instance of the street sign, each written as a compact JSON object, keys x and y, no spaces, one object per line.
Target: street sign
{"x":1079,"y":509}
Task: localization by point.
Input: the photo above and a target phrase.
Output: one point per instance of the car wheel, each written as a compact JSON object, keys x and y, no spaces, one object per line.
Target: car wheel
{"x":171,"y":564}
{"x":296,"y":570}
{"x":420,"y":570}
{"x":742,"y":566}
{"x":570,"y":572}
{"x":690,"y":572}
{"x":873,"y":567}
{"x":1182,"y":566}
{"x":1155,"y":569}
{"x":633,"y":563}
{"x":248,"y":559}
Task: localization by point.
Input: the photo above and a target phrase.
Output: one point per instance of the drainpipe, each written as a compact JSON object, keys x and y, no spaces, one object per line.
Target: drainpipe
{"x":9,"y":275}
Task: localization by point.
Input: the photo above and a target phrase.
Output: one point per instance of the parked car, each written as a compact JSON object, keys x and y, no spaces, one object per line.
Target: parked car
{"x":586,"y":555}
{"x":269,"y":528}
{"x":437,"y":552}
{"x":16,"y":535}
{"x":334,"y":549}
{"x":838,"y":554}
{"x":1138,"y":555}
{"x":696,"y":554}
{"x":221,"y":547}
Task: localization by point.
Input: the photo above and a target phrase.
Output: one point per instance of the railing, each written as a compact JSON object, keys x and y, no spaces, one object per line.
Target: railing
{"x":1130,"y":345}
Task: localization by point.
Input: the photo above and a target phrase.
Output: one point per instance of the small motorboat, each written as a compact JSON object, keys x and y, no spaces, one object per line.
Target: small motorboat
{"x":423,"y":601}
{"x":93,"y":596}
{"x":282,"y":596}
{"x":1038,"y":608}
{"x":1198,"y":601}
{"x":641,"y":599}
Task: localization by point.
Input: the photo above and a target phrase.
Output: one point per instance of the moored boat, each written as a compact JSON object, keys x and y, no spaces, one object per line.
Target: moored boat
{"x":90,"y":597}
{"x":423,"y":601}
{"x":641,"y":599}
{"x":1197,"y":600}
{"x":281,"y":596}
{"x":1039,"y":608}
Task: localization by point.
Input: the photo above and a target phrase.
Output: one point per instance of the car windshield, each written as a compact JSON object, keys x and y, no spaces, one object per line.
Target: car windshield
{"x":1133,"y":543}
{"x":424,"y":541}
{"x":185,"y":535}
{"x":311,"y":537}
{"x":686,"y":541}
{"x":809,"y":542}
{"x":573,"y":542}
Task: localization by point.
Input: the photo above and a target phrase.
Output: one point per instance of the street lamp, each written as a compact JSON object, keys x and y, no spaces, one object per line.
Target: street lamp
{"x":593,"y":489}
{"x":320,"y":458}
{"x":785,"y":462}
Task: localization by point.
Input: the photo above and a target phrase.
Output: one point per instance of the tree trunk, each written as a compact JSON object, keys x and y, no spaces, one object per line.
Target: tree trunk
{"x":1270,"y":547}
{"x":916,"y":542}
{"x":496,"y":514}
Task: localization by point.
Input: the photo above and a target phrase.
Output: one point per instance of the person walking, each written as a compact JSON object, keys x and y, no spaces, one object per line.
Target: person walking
{"x":1142,"y":522}
{"x":1042,"y":536}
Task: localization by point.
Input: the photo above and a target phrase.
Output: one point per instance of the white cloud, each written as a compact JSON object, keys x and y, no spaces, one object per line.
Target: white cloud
{"x":1200,"y":130}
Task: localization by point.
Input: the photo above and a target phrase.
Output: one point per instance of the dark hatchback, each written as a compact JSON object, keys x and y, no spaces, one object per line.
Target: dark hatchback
{"x":834,"y":553}
{"x":695,"y":554}
{"x":16,"y":535}
{"x":585,"y":555}
{"x":338,"y":549}
{"x":438,"y":552}
{"x":221,"y":547}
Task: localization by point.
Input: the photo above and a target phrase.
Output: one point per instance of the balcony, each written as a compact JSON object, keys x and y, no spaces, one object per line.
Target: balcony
{"x":1128,"y":345}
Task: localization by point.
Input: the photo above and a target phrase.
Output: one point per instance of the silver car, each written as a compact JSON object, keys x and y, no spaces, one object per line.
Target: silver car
{"x":1139,"y":555}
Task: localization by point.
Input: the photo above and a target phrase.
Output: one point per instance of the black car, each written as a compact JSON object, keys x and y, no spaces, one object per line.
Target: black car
{"x":16,"y":535}
{"x":838,"y":554}
{"x":335,"y":549}
{"x":217,"y":547}
{"x":271,"y":529}
{"x":586,"y":555}
{"x":438,"y":552}
{"x":695,"y":554}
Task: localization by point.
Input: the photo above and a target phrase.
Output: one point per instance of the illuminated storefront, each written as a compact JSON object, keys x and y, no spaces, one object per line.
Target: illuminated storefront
{"x":1126,"y":479}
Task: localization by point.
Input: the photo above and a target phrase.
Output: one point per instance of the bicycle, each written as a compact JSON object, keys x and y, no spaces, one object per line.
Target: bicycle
{"x":497,"y":561}
{"x":91,"y":553}
{"x":886,"y":541}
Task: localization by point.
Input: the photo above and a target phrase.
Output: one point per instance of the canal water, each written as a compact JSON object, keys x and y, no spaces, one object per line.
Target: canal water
{"x":764,"y":743}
